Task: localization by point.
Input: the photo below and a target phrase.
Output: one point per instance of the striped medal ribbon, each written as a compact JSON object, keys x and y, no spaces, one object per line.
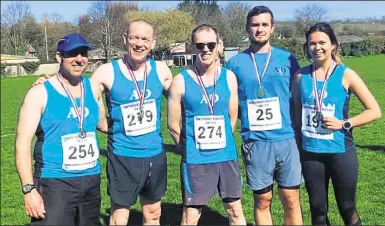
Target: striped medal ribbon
{"x":261,"y":92}
{"x":211,"y":102}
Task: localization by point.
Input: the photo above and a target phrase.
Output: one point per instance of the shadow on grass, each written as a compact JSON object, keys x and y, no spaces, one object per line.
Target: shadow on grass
{"x":171,"y":148}
{"x":372,"y":147}
{"x":172,"y":215}
{"x":103,"y":152}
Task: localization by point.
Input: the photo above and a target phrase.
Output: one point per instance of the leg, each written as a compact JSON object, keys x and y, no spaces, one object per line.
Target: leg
{"x":89,"y":209}
{"x":126,"y":178}
{"x":234,"y":211}
{"x":291,"y":206}
{"x":289,"y":178}
{"x":119,"y":214}
{"x":191,"y":215}
{"x":344,"y":174}
{"x":154,"y":189}
{"x":151,"y":211}
{"x":262,"y":206}
{"x":317,"y":184}
{"x":230,"y":190}
{"x":260,"y":164}
{"x":61,"y":198}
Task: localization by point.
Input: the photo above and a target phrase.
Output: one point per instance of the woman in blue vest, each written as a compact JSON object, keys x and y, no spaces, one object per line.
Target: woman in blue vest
{"x":321,"y":94}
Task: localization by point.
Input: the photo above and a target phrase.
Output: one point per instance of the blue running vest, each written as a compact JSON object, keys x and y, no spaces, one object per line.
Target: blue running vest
{"x":276,"y":83}
{"x":194,"y":104}
{"x":336,"y":96}
{"x":59,"y":119}
{"x":123,"y":92}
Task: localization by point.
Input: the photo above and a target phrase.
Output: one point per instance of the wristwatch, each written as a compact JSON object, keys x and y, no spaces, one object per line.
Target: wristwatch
{"x":27,"y":188}
{"x":347,"y":125}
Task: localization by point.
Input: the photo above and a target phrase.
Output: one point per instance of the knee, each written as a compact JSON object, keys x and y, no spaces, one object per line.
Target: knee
{"x":191,"y":216}
{"x":291,"y":204}
{"x":234,"y":210}
{"x":262,"y":202}
{"x":152,"y":215}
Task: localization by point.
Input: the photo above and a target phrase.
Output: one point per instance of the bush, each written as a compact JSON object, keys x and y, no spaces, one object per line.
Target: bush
{"x":30,"y":67}
{"x":2,"y":68}
{"x":293,"y":45}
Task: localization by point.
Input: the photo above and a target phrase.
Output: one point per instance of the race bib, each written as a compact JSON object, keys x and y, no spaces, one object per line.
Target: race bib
{"x":313,"y":128}
{"x":132,"y":125}
{"x":79,"y":153}
{"x":209,"y":132}
{"x":264,"y":114}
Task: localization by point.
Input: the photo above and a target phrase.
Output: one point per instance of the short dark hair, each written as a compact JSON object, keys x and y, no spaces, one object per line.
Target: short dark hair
{"x":201,"y":27}
{"x":328,"y":30}
{"x":257,"y":10}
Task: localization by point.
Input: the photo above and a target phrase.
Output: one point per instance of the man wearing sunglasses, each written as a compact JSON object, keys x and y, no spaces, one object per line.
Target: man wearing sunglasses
{"x":205,"y":95}
{"x":64,"y":112}
{"x":269,"y":147}
{"x":136,"y":163}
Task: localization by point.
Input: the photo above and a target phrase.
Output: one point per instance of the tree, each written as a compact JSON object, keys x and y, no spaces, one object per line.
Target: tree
{"x":109,"y":22}
{"x":233,"y":30}
{"x":169,"y":27}
{"x":203,"y":12}
{"x":307,"y":16}
{"x":19,"y":27}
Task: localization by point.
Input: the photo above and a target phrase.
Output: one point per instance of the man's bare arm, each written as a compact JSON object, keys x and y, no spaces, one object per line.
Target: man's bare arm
{"x":165,"y":76}
{"x":174,"y":108}
{"x":233,"y":102}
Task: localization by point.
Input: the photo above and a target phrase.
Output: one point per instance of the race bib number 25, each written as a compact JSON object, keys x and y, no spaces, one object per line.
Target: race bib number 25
{"x":264,"y":114}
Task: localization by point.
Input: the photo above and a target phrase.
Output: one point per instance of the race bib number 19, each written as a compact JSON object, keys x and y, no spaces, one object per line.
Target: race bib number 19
{"x":209,"y":132}
{"x":133,"y":126}
{"x":264,"y":114}
{"x":313,"y":128}
{"x":79,"y":153}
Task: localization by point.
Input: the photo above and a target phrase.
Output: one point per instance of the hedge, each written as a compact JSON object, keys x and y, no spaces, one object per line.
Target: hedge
{"x":30,"y":67}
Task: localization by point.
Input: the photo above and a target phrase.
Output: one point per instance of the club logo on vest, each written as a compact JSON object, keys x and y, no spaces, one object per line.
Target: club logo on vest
{"x":280,"y":71}
{"x":319,"y":95}
{"x":72,"y":113}
{"x":210,"y":97}
{"x":135,"y":96}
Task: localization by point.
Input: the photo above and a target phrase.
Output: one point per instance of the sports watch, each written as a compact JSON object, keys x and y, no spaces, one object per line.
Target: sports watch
{"x":347,"y":125}
{"x":27,"y":188}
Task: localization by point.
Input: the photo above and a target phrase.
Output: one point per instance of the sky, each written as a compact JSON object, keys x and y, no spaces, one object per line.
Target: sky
{"x":282,"y":10}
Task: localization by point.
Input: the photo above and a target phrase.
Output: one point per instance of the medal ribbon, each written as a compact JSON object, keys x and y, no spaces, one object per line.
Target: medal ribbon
{"x":259,"y":79}
{"x":202,"y":85}
{"x":80,"y":115}
{"x":318,"y":102}
{"x":141,"y":95}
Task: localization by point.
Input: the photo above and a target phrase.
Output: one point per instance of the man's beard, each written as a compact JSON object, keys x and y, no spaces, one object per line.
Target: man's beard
{"x":258,"y":43}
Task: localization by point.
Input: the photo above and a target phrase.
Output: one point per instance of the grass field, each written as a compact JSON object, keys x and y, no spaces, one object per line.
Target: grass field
{"x":369,"y":139}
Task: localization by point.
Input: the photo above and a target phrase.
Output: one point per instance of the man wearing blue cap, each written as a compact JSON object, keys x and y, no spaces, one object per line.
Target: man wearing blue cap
{"x":64,"y":113}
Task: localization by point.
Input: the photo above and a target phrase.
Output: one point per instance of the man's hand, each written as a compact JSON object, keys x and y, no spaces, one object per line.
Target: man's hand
{"x":40,"y":80}
{"x":34,"y":205}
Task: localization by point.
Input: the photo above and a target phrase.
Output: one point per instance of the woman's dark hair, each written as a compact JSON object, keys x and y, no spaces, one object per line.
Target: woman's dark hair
{"x":327,"y":29}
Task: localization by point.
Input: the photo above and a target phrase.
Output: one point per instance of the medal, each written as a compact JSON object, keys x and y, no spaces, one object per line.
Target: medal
{"x":260,"y":91}
{"x":211,"y":102}
{"x":80,"y":115}
{"x":319,"y":117}
{"x":142,"y":94}
{"x":82,"y":134}
{"x":319,"y":100}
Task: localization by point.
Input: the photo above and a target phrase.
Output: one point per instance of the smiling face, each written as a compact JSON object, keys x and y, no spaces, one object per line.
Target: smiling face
{"x":139,"y":40}
{"x":319,"y":46}
{"x":206,"y":46}
{"x":73,"y":62}
{"x":260,"y":28}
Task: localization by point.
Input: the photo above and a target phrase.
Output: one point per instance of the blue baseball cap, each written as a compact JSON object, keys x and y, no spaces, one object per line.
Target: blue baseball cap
{"x":72,"y":41}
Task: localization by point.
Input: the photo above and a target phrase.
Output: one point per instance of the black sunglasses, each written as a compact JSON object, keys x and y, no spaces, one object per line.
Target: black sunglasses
{"x":210,"y":45}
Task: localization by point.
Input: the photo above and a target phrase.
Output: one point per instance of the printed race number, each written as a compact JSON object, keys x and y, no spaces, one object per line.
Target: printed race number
{"x":133,"y":126}
{"x":264,"y":114}
{"x":209,"y":132}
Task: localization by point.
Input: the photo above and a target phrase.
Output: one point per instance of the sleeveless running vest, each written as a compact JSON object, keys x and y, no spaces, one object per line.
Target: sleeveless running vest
{"x":130,"y":136}
{"x":195,"y":108}
{"x":269,"y":119}
{"x":335,"y":103}
{"x":59,"y":119}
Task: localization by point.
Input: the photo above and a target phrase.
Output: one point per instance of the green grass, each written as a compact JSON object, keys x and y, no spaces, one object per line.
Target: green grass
{"x":370,"y":140}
